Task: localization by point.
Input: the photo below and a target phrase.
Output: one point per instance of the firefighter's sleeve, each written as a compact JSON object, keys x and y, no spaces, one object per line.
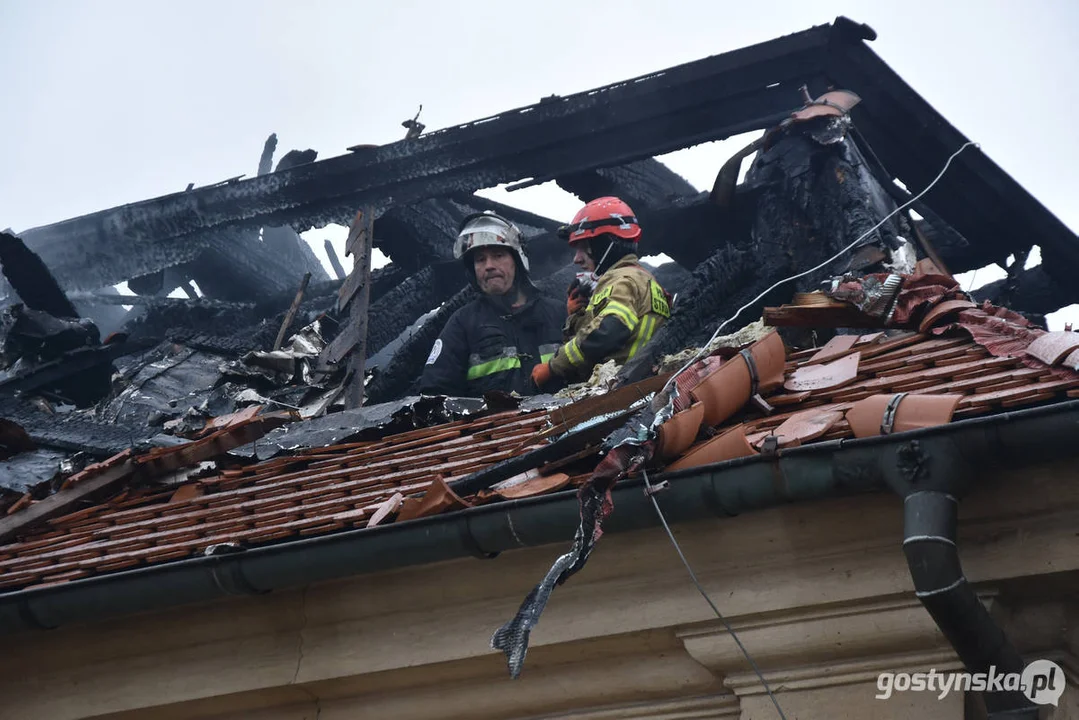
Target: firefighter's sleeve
{"x":446,"y":371}
{"x":609,"y":330}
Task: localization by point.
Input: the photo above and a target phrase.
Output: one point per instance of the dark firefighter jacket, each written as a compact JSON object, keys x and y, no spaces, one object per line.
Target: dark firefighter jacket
{"x":625,"y":310}
{"x":484,"y":348}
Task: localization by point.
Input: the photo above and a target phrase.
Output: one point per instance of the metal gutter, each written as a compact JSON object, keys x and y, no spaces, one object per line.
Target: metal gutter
{"x":822,"y":470}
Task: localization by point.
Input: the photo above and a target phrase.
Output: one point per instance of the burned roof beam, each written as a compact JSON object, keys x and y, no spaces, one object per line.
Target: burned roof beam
{"x":416,"y":235}
{"x":283,"y":241}
{"x":238,"y":267}
{"x":913,"y":140}
{"x":1031,"y":291}
{"x":697,"y":102}
{"x":419,"y":294}
{"x":404,"y":369}
{"x":528,"y":222}
{"x":646,"y":185}
{"x":31,"y":280}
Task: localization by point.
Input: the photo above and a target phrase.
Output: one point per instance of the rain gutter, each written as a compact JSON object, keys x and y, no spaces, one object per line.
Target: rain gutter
{"x":920,"y":460}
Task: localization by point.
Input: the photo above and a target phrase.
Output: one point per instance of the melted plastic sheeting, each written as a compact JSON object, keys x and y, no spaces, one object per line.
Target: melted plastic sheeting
{"x":409,"y":413}
{"x":26,"y":471}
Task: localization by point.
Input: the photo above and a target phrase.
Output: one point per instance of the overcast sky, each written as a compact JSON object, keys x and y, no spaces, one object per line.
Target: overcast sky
{"x":110,"y":102}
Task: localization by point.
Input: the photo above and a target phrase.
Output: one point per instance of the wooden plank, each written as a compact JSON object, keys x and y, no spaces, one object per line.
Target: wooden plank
{"x":358,"y":232}
{"x":291,"y":314}
{"x":338,"y":271}
{"x":65,"y":499}
{"x":818,"y":316}
{"x":360,"y":239}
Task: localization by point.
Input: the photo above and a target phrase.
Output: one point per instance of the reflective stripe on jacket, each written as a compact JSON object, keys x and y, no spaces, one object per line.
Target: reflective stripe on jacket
{"x":482,"y":348}
{"x":624,"y":312}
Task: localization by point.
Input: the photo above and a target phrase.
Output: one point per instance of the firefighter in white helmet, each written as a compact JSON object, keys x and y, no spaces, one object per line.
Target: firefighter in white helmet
{"x":495,"y":341}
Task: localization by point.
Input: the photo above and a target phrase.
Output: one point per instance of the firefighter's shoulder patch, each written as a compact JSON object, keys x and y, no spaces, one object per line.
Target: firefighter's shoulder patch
{"x":436,"y":350}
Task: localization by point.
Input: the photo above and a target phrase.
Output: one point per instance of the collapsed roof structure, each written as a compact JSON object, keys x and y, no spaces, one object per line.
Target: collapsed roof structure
{"x":182,"y":450}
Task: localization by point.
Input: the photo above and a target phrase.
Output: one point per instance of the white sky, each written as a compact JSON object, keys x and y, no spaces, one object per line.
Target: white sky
{"x":112,"y":101}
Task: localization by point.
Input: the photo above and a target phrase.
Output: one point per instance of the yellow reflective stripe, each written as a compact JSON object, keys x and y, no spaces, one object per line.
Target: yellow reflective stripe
{"x":644,"y":334}
{"x":492,"y":366}
{"x":546,"y":357}
{"x":621,"y":311}
{"x":573,"y":353}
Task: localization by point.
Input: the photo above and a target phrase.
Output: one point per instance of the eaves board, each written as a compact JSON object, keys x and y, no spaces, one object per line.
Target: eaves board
{"x":693,"y":103}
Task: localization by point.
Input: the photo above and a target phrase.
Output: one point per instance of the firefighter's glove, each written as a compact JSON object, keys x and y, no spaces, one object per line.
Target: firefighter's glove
{"x":541,"y":375}
{"x":575,"y":301}
{"x":578,"y":295}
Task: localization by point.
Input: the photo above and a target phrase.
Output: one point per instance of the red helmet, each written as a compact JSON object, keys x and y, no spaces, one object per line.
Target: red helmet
{"x":602,"y":215}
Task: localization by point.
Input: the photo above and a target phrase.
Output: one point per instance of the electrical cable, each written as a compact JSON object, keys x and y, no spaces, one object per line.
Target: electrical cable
{"x":650,"y":490}
{"x":832,"y":259}
{"x":704,"y":594}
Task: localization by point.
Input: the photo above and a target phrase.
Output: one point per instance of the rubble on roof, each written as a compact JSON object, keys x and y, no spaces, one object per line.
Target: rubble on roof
{"x":190,"y":430}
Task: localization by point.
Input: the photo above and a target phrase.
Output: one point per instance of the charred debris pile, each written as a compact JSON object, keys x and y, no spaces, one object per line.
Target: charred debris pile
{"x":86,"y":372}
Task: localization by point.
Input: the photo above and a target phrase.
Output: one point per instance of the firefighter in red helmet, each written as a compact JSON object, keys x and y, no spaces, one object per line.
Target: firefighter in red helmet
{"x":626,"y":305}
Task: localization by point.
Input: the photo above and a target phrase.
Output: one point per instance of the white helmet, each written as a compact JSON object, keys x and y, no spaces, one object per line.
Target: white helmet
{"x":487,"y":228}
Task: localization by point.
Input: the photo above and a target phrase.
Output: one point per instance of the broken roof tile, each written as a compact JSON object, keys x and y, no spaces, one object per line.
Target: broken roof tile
{"x":836,"y":347}
{"x":826,"y":375}
{"x":805,"y":426}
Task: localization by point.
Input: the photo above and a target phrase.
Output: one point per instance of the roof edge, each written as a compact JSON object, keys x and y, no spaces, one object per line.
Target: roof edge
{"x":818,"y":471}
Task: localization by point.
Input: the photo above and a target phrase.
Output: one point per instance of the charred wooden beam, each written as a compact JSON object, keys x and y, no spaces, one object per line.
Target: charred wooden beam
{"x":238,"y":267}
{"x":266,"y":159}
{"x":335,"y":262}
{"x":400,"y":307}
{"x":416,"y":235}
{"x":356,"y":297}
{"x":284,"y":241}
{"x":811,"y":199}
{"x":1032,"y":291}
{"x":386,"y":278}
{"x":529,"y":223}
{"x":647,"y":185}
{"x":697,"y":102}
{"x":976,"y":197}
{"x":720,"y":284}
{"x":291,"y":314}
{"x":31,"y":280}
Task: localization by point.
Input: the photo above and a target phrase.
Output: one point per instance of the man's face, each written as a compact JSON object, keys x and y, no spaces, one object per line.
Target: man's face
{"x":581,"y":256}
{"x":495,"y":269}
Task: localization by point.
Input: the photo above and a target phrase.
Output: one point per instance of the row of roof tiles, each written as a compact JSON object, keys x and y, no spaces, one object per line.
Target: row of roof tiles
{"x":840,"y":390}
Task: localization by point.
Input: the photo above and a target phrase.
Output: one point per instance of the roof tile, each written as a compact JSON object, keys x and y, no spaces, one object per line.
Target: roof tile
{"x":323,"y":490}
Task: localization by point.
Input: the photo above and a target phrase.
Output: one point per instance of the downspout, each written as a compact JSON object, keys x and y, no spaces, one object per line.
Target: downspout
{"x":931,"y":484}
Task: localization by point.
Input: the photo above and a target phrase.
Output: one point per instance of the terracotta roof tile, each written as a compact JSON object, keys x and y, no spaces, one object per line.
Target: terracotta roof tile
{"x":316,"y":491}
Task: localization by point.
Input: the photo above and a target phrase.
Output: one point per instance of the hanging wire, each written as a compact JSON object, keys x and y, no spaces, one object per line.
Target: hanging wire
{"x":704,"y":594}
{"x":697,"y":356}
